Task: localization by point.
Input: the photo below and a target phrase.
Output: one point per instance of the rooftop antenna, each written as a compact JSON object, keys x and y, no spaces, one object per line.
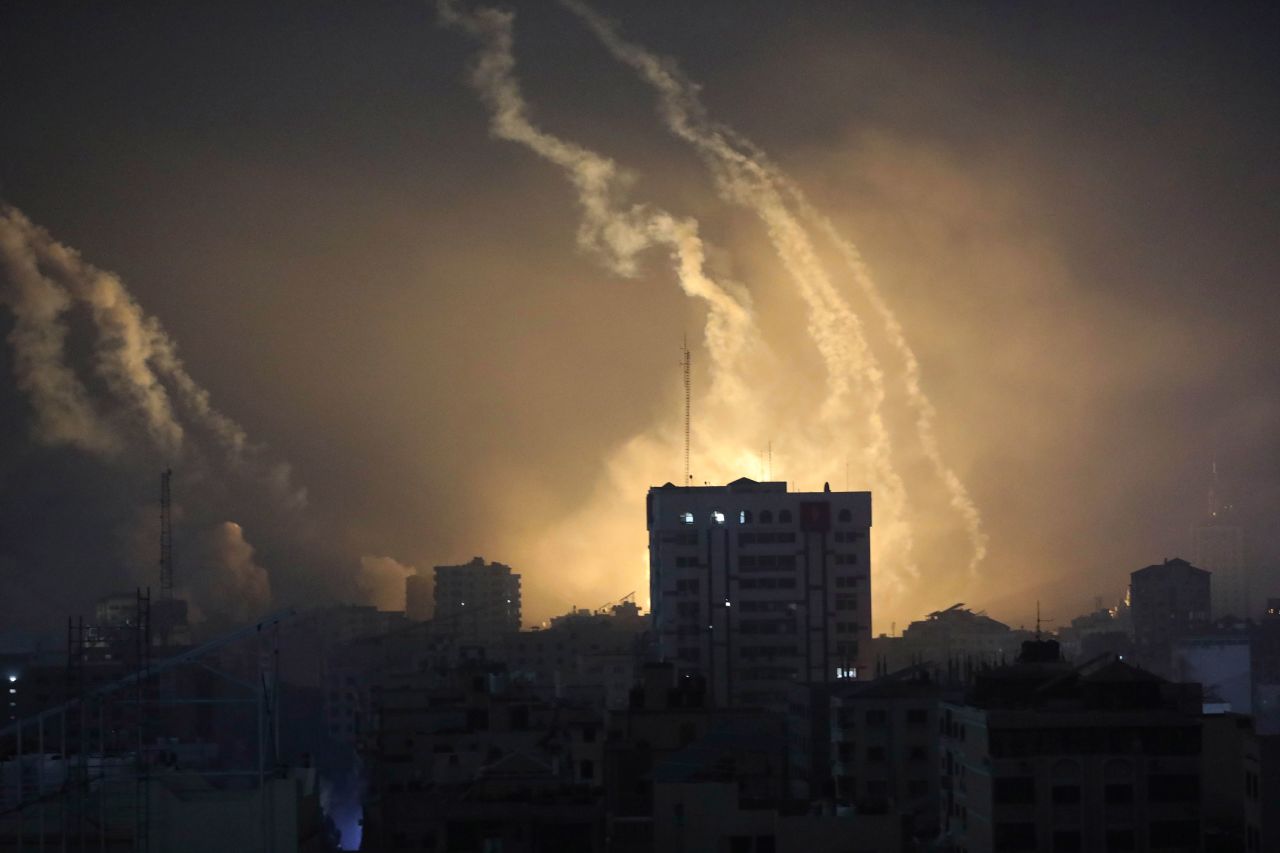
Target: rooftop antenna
{"x":1038,"y":619}
{"x":685,"y":362}
{"x":166,"y":537}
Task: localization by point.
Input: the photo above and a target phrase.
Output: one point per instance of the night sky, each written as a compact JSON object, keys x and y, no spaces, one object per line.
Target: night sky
{"x":1073,"y":211}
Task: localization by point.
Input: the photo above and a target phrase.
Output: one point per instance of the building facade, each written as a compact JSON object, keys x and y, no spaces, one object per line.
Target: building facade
{"x":758,"y":588}
{"x":1042,"y":756}
{"x":1168,"y":602}
{"x":479,"y":602}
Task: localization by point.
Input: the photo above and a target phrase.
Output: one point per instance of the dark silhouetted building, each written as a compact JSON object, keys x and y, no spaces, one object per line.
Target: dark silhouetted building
{"x":1169,"y":601}
{"x":1041,"y":755}
{"x":478,"y":601}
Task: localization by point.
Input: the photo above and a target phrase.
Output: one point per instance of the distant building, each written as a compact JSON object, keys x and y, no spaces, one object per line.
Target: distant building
{"x":478,"y":601}
{"x":1218,"y":546}
{"x":1168,"y":601}
{"x":955,"y":634}
{"x":1043,"y":756}
{"x":587,"y":655}
{"x":419,"y":598}
{"x":758,"y":587}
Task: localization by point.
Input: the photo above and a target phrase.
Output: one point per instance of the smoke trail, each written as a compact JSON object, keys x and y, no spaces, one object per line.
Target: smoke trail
{"x":735,"y":158}
{"x":133,"y":355}
{"x":836,"y":330}
{"x":63,"y":412}
{"x":611,"y":229}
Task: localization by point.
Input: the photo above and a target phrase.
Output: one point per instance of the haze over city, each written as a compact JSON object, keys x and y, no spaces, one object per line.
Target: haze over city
{"x":383,"y":301}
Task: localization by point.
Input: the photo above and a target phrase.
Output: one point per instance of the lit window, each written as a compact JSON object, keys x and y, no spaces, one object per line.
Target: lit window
{"x":744,"y":517}
{"x":13,"y":678}
{"x":717,"y":517}
{"x":727,"y":603}
{"x":686,"y":517}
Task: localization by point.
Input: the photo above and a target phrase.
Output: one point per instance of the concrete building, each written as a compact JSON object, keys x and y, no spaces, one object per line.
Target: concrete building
{"x":588,"y":655}
{"x":478,"y":601}
{"x":758,"y":587}
{"x":1041,"y":755}
{"x":469,"y":760}
{"x":1218,"y":546}
{"x":884,"y":738}
{"x":1168,"y":601}
{"x":954,"y":635}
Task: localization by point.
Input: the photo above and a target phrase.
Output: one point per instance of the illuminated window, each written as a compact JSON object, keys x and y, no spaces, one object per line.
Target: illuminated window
{"x":686,"y":517}
{"x":744,"y":517}
{"x":717,"y":517}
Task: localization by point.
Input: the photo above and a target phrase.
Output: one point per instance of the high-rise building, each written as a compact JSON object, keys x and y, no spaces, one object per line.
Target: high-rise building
{"x":759,"y":588}
{"x":1168,"y":601}
{"x":477,"y":601}
{"x":1218,"y":545}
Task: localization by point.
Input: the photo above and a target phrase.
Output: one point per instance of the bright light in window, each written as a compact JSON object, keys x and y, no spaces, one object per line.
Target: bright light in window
{"x":686,"y":517}
{"x":13,"y":678}
{"x":717,"y":517}
{"x":727,"y":603}
{"x":742,"y":517}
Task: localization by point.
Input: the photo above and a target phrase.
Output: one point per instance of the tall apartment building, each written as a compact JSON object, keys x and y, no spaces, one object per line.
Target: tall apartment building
{"x":1168,"y":601}
{"x":759,"y":588}
{"x":1217,"y":545}
{"x":479,"y":602}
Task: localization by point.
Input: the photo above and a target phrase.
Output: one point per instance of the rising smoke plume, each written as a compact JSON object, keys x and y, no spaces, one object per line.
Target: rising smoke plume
{"x":227,"y":581}
{"x":147,"y":385}
{"x":381,"y":581}
{"x":850,"y":416}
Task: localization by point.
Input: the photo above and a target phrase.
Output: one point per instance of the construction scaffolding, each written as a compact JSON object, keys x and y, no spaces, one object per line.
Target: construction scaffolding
{"x":94,"y":771}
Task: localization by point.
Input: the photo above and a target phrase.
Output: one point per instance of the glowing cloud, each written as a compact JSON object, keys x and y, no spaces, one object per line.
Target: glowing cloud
{"x":381,"y":579}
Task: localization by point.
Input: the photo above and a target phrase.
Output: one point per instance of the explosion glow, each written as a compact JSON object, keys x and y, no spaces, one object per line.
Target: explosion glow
{"x":740,"y":411}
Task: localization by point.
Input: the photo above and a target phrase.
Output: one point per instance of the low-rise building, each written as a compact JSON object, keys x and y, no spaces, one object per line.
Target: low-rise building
{"x":1042,"y":756}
